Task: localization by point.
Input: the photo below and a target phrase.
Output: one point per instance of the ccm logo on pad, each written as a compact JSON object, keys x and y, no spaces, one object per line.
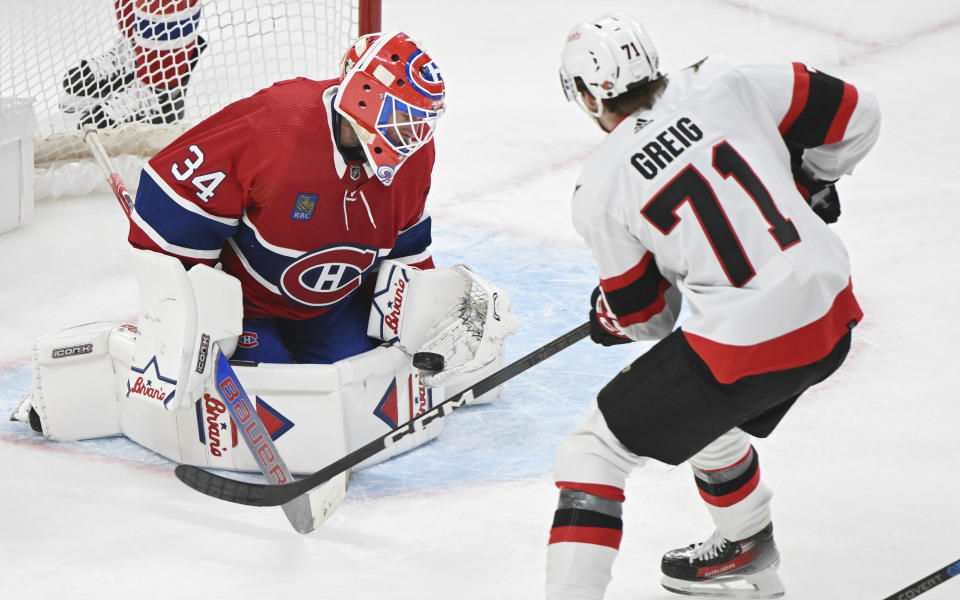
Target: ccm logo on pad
{"x":72,"y":351}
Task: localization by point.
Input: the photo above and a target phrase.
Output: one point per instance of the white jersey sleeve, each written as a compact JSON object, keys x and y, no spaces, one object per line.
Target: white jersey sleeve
{"x":646,"y":304}
{"x":697,"y":195}
{"x":827,"y":123}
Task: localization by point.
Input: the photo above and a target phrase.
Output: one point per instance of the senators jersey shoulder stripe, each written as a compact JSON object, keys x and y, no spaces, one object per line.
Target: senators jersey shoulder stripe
{"x":262,"y":188}
{"x":638,"y":294}
{"x":696,"y":197}
{"x":820,"y":109}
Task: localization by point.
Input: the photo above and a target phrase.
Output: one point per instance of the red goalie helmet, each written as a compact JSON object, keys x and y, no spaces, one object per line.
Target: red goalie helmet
{"x":353,"y":54}
{"x":392,"y":94}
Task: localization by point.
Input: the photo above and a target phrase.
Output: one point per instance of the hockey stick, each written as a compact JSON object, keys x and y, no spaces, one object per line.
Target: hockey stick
{"x":302,"y":512}
{"x":930,"y":581}
{"x":306,"y":513}
{"x":255,"y":494}
{"x":92,"y":140}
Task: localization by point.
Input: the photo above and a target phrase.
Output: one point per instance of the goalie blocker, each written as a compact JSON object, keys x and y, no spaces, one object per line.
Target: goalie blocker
{"x":152,"y":382}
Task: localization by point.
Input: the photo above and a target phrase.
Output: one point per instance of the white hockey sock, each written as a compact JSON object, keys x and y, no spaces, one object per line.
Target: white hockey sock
{"x":727,"y":473}
{"x":590,"y":470}
{"x":584,"y":541}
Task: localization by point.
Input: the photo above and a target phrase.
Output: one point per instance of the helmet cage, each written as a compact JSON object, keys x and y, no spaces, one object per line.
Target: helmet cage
{"x":405,"y":127}
{"x":570,"y":90}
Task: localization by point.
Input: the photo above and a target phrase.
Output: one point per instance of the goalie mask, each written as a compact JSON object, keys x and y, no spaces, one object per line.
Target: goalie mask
{"x":392,"y":94}
{"x":352,"y":56}
{"x":610,"y":55}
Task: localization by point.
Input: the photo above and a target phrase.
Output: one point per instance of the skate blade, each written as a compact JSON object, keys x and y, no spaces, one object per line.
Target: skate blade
{"x":22,"y":412}
{"x":70,"y":103}
{"x":765,"y":584}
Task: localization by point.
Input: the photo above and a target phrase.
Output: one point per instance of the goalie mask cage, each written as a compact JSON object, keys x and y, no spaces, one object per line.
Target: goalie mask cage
{"x":249,"y":44}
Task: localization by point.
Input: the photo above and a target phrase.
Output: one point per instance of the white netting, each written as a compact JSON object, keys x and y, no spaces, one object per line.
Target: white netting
{"x":249,"y":45}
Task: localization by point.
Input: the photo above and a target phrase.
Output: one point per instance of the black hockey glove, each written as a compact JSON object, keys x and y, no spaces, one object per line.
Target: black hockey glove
{"x":826,"y":203}
{"x":820,"y":195}
{"x":604,"y":329}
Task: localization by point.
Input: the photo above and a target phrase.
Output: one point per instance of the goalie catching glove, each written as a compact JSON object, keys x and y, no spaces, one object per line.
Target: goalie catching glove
{"x":448,"y":318}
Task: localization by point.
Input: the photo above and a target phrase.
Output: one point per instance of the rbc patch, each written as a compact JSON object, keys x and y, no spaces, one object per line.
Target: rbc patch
{"x":304,"y":206}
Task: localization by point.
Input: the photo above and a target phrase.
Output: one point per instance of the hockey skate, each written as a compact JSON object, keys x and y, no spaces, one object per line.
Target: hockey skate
{"x":97,"y":77}
{"x":136,"y":101}
{"x":720,"y":568}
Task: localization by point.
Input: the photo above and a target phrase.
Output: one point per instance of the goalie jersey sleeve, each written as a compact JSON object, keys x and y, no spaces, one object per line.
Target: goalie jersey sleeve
{"x":696,"y":197}
{"x":262,"y":188}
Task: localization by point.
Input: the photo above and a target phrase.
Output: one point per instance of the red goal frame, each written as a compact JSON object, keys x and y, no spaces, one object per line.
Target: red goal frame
{"x":369,"y":19}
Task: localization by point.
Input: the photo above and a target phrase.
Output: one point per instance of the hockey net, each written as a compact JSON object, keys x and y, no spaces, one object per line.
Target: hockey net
{"x":246,"y":46}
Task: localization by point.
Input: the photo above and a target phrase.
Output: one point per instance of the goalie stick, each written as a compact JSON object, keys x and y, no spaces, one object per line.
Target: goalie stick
{"x":92,"y":140}
{"x":306,"y":513}
{"x":255,"y":494}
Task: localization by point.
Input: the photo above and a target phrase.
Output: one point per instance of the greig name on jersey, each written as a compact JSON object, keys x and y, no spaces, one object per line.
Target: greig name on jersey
{"x":666,"y":146}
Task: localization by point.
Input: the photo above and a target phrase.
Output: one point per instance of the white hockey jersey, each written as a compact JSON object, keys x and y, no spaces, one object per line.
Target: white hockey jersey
{"x":697,"y":197}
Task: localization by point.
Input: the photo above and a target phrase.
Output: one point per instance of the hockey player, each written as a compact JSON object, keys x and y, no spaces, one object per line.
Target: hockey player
{"x":297,"y":191}
{"x":702,"y":191}
{"x":143,"y":77}
{"x":321,"y":244}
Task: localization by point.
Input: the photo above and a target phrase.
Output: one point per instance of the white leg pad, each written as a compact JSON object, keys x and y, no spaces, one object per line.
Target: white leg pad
{"x":73,"y":388}
{"x":182,"y":313}
{"x":316,"y":413}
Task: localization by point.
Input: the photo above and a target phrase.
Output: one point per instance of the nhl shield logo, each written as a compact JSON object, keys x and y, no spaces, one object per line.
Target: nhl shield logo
{"x":355,"y":172}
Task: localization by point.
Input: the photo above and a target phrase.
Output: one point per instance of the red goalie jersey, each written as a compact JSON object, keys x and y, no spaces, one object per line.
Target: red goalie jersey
{"x":262,"y":187}
{"x":696,"y":197}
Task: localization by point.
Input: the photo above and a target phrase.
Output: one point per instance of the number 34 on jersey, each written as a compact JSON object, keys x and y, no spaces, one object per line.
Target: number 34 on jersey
{"x":206,"y":183}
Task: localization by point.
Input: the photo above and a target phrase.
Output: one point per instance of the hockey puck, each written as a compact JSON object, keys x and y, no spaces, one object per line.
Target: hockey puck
{"x":428,"y":361}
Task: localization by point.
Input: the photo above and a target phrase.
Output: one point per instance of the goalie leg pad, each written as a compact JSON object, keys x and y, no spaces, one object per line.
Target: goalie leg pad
{"x":181,"y":315}
{"x":316,"y":414}
{"x":73,"y":390}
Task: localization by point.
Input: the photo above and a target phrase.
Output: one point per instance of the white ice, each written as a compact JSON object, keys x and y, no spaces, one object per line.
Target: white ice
{"x":864,"y":468}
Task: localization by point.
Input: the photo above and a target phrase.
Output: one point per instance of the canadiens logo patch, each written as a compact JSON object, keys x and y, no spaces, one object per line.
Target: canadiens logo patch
{"x":304,"y":207}
{"x":326,"y":276}
{"x":248,"y":339}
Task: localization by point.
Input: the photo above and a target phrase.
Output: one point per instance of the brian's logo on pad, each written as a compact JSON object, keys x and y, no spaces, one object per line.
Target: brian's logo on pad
{"x":386,"y":318}
{"x":148,"y":384}
{"x":218,"y":431}
{"x":400,"y":403}
{"x":303,"y":207}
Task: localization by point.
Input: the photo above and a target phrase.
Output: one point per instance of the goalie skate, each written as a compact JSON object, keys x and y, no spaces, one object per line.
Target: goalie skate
{"x":97,"y":77}
{"x":720,"y":568}
{"x":135,"y":101}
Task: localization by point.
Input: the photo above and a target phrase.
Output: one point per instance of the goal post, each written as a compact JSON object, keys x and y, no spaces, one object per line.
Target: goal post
{"x":142,"y":71}
{"x":369,"y":17}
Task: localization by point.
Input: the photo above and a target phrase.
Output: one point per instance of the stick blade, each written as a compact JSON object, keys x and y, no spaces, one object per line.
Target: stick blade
{"x":223,"y":488}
